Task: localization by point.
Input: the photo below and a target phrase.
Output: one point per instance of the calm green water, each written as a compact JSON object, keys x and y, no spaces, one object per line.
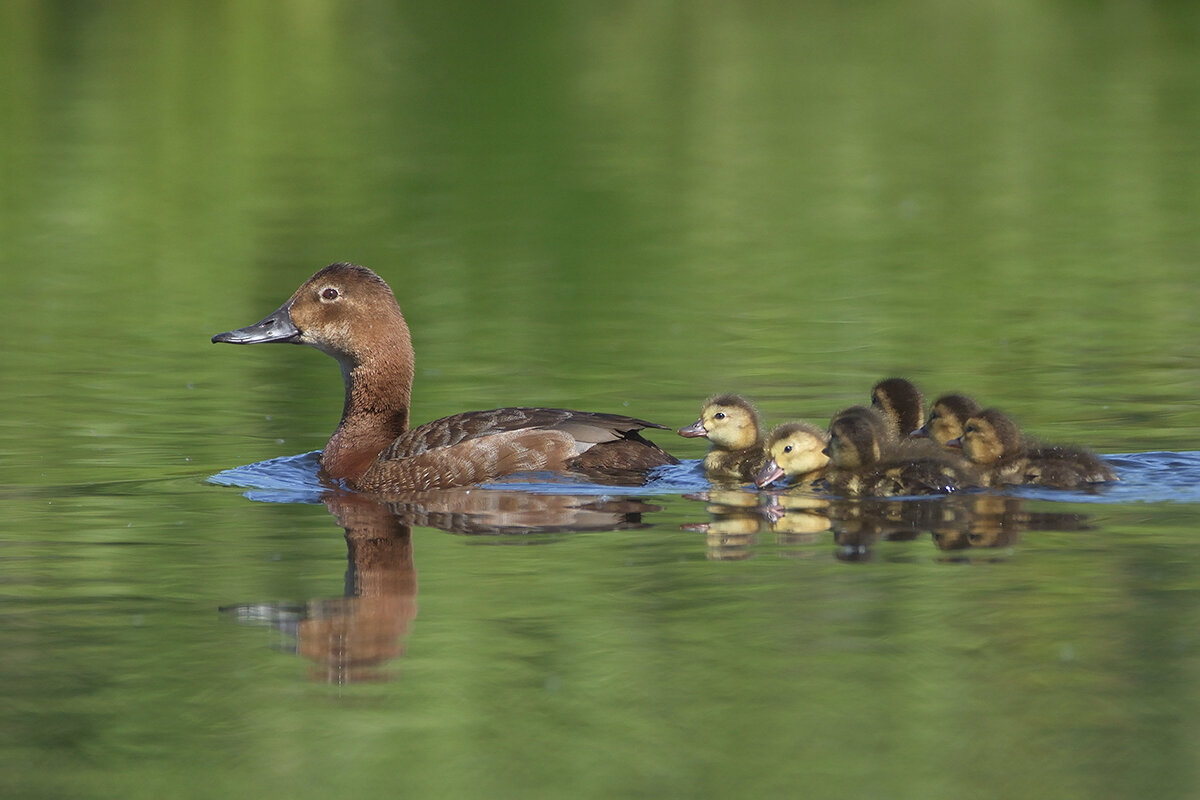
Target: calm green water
{"x":621,"y":207}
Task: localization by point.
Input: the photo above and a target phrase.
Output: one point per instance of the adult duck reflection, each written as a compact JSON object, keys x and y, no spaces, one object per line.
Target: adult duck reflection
{"x":350,"y":639}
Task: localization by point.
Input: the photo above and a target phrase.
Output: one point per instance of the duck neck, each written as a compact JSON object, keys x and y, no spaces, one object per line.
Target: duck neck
{"x":378,"y":390}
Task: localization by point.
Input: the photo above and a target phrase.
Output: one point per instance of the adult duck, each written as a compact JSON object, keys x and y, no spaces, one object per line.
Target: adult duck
{"x":350,"y":313}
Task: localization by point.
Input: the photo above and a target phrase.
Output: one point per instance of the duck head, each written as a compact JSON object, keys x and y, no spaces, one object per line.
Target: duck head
{"x":344,"y":310}
{"x":988,"y":438}
{"x":793,"y":448}
{"x":348,"y":312}
{"x":857,"y":437}
{"x":729,"y":421}
{"x":947,"y":417}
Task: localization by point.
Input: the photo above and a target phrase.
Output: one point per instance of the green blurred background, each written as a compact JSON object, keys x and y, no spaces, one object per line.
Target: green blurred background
{"x":621,"y":206}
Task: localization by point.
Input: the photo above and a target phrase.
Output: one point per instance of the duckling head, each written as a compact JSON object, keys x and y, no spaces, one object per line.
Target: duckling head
{"x":729,"y":421}
{"x":793,"y":448}
{"x":988,"y":438}
{"x":856,"y":438}
{"x":947,"y":417}
{"x":901,"y":404}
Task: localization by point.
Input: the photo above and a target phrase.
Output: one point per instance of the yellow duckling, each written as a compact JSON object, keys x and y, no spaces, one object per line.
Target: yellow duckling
{"x":864,"y":460}
{"x":994,"y":443}
{"x":946,"y":418}
{"x":900,"y":403}
{"x":731,"y":423}
{"x":795,"y":450}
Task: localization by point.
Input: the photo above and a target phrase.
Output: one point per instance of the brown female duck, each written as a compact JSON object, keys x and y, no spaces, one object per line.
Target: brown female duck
{"x":731,"y":423}
{"x":1004,"y":456}
{"x":901,"y":404}
{"x":865,"y":460}
{"x":946,"y":418}
{"x":350,"y":313}
{"x":795,"y":450}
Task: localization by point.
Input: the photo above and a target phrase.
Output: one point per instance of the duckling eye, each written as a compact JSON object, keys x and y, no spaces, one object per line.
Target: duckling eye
{"x":329,"y":293}
{"x":787,"y":448}
{"x":719,"y":415}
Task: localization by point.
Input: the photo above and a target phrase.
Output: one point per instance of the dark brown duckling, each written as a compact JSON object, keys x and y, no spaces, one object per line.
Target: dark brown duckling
{"x":946,"y":418}
{"x":901,"y":404}
{"x":731,"y":424}
{"x":795,"y":450}
{"x":350,"y":313}
{"x":994,"y":443}
{"x":866,"y":461}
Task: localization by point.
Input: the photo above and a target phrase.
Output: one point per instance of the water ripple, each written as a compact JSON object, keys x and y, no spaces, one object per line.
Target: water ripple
{"x":1152,"y":477}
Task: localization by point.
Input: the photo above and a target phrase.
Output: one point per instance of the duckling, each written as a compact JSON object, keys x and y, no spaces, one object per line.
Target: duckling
{"x":731,"y":423}
{"x":864,"y":460}
{"x":946,"y":418}
{"x":795,"y":450}
{"x":994,"y":443}
{"x":901,"y":404}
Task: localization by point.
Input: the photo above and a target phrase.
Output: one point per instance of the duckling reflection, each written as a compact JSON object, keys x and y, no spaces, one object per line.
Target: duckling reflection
{"x":956,"y":522}
{"x":352,"y":638}
{"x":797,"y":516}
{"x":987,"y":521}
{"x":734,"y":526}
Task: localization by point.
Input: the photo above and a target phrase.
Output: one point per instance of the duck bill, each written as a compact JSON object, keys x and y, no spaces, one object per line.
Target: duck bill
{"x":275,"y":327}
{"x":955,"y":444}
{"x":694,"y":430}
{"x":770,"y":473}
{"x":919,"y":433}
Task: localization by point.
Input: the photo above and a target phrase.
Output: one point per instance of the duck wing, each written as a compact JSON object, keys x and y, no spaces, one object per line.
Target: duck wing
{"x":479,"y":446}
{"x":586,"y":428}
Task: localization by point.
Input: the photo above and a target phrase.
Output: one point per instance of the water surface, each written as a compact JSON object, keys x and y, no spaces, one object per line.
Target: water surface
{"x":624,"y":209}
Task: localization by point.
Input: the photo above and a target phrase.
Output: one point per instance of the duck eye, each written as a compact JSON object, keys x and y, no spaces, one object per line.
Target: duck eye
{"x":787,"y":449}
{"x":329,"y":293}
{"x":719,"y":415}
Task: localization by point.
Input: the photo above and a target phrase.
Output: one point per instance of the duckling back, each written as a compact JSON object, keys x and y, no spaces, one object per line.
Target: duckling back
{"x":1065,"y":467}
{"x":901,"y":404}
